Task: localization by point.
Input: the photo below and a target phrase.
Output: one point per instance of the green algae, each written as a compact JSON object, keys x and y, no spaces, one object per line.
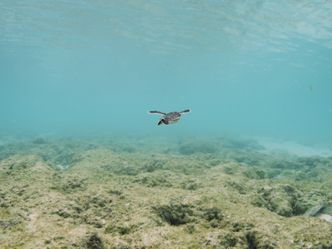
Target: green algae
{"x":175,"y":214}
{"x":94,"y":242}
{"x":219,"y":194}
{"x":193,"y":147}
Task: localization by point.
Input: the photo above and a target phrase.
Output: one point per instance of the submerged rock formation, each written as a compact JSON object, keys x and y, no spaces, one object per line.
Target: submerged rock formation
{"x":230,"y":196}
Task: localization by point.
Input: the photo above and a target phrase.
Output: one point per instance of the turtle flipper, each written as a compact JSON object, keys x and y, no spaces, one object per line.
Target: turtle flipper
{"x":157,"y":112}
{"x":185,"y":111}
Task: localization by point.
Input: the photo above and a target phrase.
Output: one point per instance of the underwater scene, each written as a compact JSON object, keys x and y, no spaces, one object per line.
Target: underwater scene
{"x":146,"y":124}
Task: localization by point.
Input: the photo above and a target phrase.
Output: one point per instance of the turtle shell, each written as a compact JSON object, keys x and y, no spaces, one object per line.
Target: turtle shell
{"x":172,"y":117}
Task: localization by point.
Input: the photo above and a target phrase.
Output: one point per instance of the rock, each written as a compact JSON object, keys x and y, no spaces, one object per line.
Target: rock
{"x":228,"y":240}
{"x":314,"y":210}
{"x":255,"y":241}
{"x":254,"y":173}
{"x":63,"y":213}
{"x":212,"y":214}
{"x":39,"y":140}
{"x":325,"y":217}
{"x":192,"y":147}
{"x":322,"y":211}
{"x":122,"y":230}
{"x":151,"y":180}
{"x":154,"y":165}
{"x":94,"y":242}
{"x":175,"y":214}
{"x":9,"y":223}
{"x":284,"y":200}
{"x":190,"y":185}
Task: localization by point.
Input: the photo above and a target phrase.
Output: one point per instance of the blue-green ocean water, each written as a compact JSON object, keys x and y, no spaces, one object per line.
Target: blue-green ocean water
{"x":252,"y":68}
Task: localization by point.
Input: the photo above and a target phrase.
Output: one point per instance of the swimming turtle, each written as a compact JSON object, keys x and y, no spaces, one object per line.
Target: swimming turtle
{"x":169,"y":118}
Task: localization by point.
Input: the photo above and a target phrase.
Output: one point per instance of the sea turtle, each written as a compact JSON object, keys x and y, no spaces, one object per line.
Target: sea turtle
{"x":169,"y":118}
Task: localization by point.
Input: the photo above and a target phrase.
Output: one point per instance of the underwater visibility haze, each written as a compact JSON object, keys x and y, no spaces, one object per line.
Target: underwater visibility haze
{"x":258,"y":68}
{"x":84,"y":165}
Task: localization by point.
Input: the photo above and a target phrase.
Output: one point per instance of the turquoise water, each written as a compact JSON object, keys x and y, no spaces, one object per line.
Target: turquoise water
{"x":84,"y":165}
{"x":252,"y":68}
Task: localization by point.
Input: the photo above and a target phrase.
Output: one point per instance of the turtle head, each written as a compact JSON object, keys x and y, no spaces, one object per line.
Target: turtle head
{"x":163,"y":121}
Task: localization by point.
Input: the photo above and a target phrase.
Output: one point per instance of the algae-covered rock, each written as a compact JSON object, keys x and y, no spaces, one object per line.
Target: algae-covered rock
{"x":327,"y":209}
{"x":240,"y":187}
{"x":175,"y":214}
{"x":64,"y":159}
{"x":4,"y":203}
{"x":244,"y":158}
{"x":69,"y":184}
{"x":321,"y":210}
{"x":229,"y":170}
{"x":18,"y":164}
{"x":273,"y":173}
{"x":39,"y":140}
{"x":130,"y":170}
{"x":153,"y":181}
{"x":9,"y":223}
{"x":94,"y":242}
{"x":112,"y":198}
{"x":240,"y":144}
{"x":196,"y":146}
{"x":212,"y":214}
{"x":313,"y":161}
{"x":121,"y":229}
{"x":63,"y":213}
{"x":314,"y":210}
{"x":154,"y":165}
{"x":220,"y":240}
{"x":284,"y":200}
{"x":254,"y":173}
{"x":255,"y":240}
{"x":121,"y":245}
{"x":228,"y":240}
{"x":285,"y":164}
{"x":240,"y":226}
{"x":190,"y":185}
{"x":58,"y":154}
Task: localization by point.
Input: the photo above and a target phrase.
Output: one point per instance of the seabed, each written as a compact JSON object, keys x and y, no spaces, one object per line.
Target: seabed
{"x":144,"y":192}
